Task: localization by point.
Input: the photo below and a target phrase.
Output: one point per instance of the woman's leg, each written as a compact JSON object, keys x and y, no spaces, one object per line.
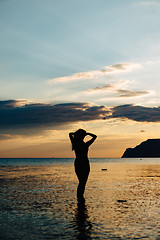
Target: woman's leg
{"x":82,"y":177}
{"x":81,"y":187}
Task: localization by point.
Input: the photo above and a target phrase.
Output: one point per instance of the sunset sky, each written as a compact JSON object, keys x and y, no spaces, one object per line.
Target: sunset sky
{"x":69,"y":64}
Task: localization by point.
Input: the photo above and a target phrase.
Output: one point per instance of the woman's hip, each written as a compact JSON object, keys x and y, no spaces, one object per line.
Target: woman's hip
{"x":82,"y":169}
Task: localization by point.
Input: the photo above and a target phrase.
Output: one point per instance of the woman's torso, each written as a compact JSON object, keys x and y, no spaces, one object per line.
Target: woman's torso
{"x":81,"y":152}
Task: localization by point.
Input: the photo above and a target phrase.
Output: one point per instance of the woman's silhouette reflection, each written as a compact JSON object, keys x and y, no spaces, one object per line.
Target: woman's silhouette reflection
{"x":82,"y":167}
{"x":83,"y":225}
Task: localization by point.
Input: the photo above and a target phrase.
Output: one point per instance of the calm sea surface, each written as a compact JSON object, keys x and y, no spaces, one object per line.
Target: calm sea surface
{"x":38,"y":199}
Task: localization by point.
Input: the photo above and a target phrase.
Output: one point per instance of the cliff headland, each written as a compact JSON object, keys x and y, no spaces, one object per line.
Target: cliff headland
{"x":147,"y":149}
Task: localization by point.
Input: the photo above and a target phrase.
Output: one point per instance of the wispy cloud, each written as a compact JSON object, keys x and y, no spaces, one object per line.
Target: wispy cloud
{"x":142,"y":131}
{"x":129,"y":93}
{"x":148,"y":3}
{"x":109,"y":86}
{"x":5,"y":136}
{"x":107,"y":70}
{"x":118,"y":90}
{"x":102,"y":88}
{"x":126,"y":67}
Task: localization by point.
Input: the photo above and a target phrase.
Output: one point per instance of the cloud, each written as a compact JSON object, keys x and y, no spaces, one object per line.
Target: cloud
{"x":102,"y":88}
{"x":107,"y":70}
{"x":126,"y":67}
{"x":19,"y":118}
{"x":14,"y":115}
{"x":109,"y":86}
{"x":142,"y":131}
{"x":137,"y":113}
{"x":148,"y":3}
{"x":115,"y":88}
{"x":5,"y":136}
{"x":129,"y":93}
{"x":12,"y":104}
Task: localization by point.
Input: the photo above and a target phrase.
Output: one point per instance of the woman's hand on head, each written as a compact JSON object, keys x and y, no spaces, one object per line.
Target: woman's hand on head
{"x":71,"y":133}
{"x":92,"y":135}
{"x":87,"y":133}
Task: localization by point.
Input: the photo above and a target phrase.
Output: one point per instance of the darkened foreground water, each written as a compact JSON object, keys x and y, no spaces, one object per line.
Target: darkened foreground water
{"x":39,"y":201}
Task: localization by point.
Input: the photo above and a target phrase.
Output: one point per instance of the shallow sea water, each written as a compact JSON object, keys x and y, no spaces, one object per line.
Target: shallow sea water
{"x":38,"y":201}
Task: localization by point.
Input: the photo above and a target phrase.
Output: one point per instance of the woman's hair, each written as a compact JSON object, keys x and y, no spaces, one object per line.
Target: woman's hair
{"x":78,"y":137}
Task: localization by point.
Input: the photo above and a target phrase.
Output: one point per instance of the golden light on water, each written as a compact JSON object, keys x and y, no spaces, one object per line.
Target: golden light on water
{"x":122,"y":201}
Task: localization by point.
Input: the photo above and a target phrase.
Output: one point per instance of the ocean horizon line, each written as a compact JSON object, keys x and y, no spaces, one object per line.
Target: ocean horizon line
{"x":56,"y":157}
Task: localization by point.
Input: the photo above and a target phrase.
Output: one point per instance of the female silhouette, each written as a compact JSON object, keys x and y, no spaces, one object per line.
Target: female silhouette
{"x":82,"y":167}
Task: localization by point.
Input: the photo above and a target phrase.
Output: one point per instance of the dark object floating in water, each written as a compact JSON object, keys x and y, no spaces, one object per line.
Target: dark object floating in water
{"x":104,"y":169}
{"x":147,"y":149}
{"x":121,"y":201}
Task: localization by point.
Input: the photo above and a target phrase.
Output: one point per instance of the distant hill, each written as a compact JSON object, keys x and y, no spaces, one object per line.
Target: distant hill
{"x":149,"y":148}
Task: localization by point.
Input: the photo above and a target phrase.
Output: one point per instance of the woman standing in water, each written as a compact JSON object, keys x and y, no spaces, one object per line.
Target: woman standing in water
{"x":82,"y":167}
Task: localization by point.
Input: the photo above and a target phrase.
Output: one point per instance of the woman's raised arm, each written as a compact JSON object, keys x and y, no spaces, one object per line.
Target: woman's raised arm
{"x":71,"y":136}
{"x":92,"y":139}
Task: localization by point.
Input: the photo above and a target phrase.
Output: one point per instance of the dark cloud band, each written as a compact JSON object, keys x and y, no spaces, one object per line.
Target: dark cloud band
{"x":137,"y":113}
{"x":15,"y":114}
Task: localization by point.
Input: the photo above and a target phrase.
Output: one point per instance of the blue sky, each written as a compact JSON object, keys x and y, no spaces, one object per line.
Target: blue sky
{"x":98,"y":52}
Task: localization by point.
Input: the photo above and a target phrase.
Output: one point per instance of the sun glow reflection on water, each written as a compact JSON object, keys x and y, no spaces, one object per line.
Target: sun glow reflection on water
{"x":39,"y":202}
